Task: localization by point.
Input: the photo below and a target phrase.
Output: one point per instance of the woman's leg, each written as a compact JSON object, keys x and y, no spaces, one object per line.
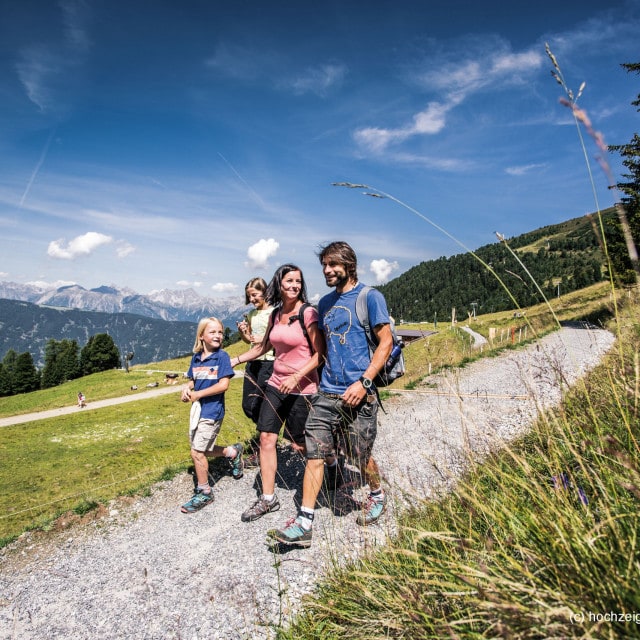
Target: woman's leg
{"x":268,"y":462}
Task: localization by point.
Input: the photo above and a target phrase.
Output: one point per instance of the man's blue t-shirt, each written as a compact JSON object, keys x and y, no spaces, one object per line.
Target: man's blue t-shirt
{"x":207,"y":372}
{"x":347,"y":348}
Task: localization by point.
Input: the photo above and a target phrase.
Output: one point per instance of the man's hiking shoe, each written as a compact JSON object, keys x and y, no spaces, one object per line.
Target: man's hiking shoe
{"x":199,"y":500}
{"x":372,"y":510}
{"x":252,"y":461}
{"x":237,"y":463}
{"x":260,"y":508}
{"x":293,"y":533}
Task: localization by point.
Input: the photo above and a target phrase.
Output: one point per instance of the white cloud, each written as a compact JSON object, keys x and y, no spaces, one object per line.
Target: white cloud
{"x":383,"y":269}
{"x":455,"y":81}
{"x":225,"y":287}
{"x":318,"y":80}
{"x":187,"y":283}
{"x":79,"y":246}
{"x":427,"y":122}
{"x":124,"y":249}
{"x":42,"y":284}
{"x":4,"y":274}
{"x":260,"y":252}
{"x":523,"y":169}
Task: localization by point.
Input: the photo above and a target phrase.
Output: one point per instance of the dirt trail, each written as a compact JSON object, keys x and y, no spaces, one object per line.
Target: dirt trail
{"x":98,"y":404}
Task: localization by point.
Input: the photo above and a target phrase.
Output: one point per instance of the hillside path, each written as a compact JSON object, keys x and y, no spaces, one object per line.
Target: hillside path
{"x":146,"y":571}
{"x":97,"y":404}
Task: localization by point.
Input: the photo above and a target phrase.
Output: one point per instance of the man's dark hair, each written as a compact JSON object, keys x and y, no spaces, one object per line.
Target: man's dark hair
{"x":343,"y":254}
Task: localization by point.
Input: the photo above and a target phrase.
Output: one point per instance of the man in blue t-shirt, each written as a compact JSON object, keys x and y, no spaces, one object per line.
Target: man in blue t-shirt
{"x":346,"y":406}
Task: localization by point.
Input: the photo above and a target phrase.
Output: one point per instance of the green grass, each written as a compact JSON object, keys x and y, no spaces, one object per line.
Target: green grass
{"x":78,"y":461}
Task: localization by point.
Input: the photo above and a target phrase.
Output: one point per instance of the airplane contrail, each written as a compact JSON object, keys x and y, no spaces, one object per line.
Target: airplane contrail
{"x":43,"y":155}
{"x":246,"y":184}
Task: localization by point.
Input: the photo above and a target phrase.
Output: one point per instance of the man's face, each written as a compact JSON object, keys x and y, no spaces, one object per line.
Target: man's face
{"x":335,"y":274}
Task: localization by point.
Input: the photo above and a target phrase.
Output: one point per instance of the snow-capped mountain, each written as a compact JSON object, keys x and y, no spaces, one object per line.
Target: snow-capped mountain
{"x":181,"y":305}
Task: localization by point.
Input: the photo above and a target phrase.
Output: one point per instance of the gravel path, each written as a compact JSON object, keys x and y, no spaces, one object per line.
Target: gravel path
{"x":147,"y":571}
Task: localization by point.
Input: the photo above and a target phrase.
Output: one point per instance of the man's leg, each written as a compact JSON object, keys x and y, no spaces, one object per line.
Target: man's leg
{"x":319,"y":444}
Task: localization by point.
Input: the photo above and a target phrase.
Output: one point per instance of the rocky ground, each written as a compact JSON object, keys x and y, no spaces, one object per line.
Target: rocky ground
{"x":145,"y":570}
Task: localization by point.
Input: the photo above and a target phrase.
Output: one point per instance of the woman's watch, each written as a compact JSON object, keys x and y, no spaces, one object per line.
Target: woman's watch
{"x":366,"y":382}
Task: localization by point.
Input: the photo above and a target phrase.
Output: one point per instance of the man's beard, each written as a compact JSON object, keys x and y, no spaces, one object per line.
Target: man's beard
{"x":339,"y":281}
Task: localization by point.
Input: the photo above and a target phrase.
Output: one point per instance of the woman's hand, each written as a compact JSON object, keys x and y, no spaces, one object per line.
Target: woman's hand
{"x":290,"y":384}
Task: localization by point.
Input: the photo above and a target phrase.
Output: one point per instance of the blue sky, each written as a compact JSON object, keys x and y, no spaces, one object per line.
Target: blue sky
{"x":165,"y":145}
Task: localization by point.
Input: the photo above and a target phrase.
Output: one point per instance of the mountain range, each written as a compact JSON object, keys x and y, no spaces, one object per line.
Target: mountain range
{"x":183,"y":305}
{"x":154,"y":327}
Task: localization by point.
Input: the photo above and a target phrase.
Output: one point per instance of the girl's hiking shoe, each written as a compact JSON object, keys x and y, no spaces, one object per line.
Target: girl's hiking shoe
{"x":237,"y":464}
{"x":260,"y":508}
{"x":293,"y":533}
{"x":372,"y":510}
{"x":199,"y":500}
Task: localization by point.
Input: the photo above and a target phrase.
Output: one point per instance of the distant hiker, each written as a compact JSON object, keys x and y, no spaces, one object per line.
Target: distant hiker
{"x":82,"y":401}
{"x":252,"y":329}
{"x":299,"y":347}
{"x":209,"y":375}
{"x":345,"y":409}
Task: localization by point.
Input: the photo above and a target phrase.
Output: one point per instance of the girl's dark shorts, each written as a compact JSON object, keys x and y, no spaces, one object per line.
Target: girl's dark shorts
{"x":278,"y":408}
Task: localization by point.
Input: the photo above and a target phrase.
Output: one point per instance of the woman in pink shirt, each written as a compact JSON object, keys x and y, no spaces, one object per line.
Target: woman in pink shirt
{"x":299,"y":347}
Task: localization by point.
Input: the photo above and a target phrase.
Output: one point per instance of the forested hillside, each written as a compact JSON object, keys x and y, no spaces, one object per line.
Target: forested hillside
{"x":561,"y":258}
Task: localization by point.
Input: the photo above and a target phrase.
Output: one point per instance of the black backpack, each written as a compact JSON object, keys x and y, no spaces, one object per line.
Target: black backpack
{"x":394,"y":368}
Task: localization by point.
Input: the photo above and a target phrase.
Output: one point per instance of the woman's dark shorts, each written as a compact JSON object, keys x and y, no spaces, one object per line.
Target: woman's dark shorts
{"x":280,"y":407}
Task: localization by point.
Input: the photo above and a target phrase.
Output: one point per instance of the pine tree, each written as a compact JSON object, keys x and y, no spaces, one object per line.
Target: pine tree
{"x":26,"y":377}
{"x":630,"y":199}
{"x":99,"y":354}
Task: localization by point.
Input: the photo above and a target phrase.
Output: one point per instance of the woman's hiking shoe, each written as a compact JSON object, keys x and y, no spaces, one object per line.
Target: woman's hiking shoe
{"x":199,"y":500}
{"x":237,"y":464}
{"x":260,"y":508}
{"x":372,"y":510}
{"x":293,"y":533}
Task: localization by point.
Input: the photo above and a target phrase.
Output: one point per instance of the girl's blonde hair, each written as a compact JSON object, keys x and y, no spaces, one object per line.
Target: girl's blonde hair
{"x":198,"y":346}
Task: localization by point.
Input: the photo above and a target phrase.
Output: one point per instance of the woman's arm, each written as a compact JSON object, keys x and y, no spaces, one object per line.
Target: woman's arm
{"x":257,"y":350}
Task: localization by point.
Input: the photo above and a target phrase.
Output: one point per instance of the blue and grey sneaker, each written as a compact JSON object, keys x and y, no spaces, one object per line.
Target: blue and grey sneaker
{"x":372,"y":510}
{"x":237,"y":464}
{"x":293,"y":533}
{"x":199,"y":500}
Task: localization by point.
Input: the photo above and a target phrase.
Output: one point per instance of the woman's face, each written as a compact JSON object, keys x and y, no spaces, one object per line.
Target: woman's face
{"x":291,"y":286}
{"x":256,"y":297}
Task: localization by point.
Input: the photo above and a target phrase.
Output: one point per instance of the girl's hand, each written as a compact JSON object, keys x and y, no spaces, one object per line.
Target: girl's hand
{"x":186,"y":395}
{"x":243,"y":328}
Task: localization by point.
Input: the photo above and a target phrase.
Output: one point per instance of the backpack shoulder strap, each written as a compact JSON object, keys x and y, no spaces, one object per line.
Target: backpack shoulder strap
{"x":303,"y":326}
{"x":272,"y":320}
{"x":362,"y":312}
